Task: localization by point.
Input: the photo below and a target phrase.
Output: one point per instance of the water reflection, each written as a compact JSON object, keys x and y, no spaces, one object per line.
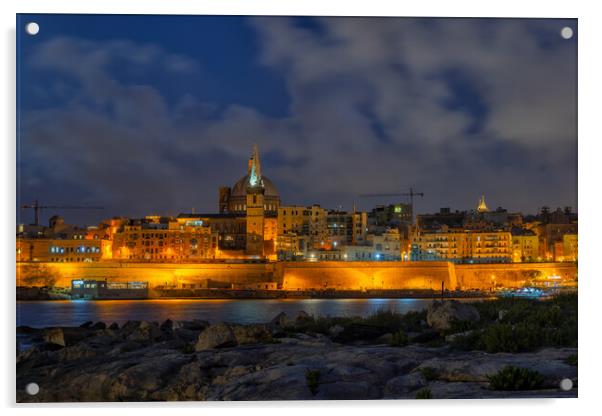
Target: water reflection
{"x":72,"y":313}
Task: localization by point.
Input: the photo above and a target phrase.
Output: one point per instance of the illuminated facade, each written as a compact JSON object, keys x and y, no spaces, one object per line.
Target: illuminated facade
{"x":570,"y":249}
{"x":308,"y":224}
{"x":525,"y":246}
{"x":164,"y":240}
{"x":255,"y":208}
{"x":462,"y":246}
{"x":234,"y":200}
{"x":58,"y":250}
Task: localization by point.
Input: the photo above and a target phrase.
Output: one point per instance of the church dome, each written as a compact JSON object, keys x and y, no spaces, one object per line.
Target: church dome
{"x":240,"y":187}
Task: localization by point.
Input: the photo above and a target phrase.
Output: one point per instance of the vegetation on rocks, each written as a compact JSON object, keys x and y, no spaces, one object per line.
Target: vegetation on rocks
{"x":424,"y":393}
{"x":399,"y":339}
{"x":571,"y":360}
{"x":520,"y":325}
{"x":429,"y":373}
{"x":514,"y":378}
{"x":313,"y":378}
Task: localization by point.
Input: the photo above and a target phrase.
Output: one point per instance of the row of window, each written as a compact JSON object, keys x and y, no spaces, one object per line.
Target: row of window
{"x":80,"y":249}
{"x":72,"y":259}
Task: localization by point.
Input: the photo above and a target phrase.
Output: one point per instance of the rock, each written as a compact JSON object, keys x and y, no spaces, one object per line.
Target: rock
{"x":167,"y":325}
{"x":302,"y":315}
{"x":346,"y":390}
{"x":400,"y":387}
{"x":385,"y":338}
{"x":425,"y":336}
{"x":452,"y":337}
{"x":194,"y":325}
{"x":65,"y":336}
{"x":216,"y":336}
{"x":142,"y":331}
{"x":440,"y":315}
{"x":335,"y":330}
{"x":99,"y":326}
{"x":251,"y":334}
{"x":282,"y":320}
{"x":87,"y":324}
{"x":76,"y":352}
{"x":359,"y":332}
{"x":114,"y":326}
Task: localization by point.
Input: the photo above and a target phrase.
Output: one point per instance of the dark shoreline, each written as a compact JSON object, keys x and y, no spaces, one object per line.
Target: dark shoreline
{"x":382,"y":356}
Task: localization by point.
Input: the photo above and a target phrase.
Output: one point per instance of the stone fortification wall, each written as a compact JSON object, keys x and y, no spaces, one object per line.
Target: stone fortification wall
{"x":163,"y":274}
{"x":365,"y":275}
{"x":300,"y":275}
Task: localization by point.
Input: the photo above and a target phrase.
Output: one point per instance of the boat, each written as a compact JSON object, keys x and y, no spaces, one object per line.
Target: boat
{"x":104,"y":290}
{"x":523,"y":292}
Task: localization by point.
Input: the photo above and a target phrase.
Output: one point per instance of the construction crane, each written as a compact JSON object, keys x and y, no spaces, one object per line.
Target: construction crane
{"x":411,"y":194}
{"x":37,"y":208}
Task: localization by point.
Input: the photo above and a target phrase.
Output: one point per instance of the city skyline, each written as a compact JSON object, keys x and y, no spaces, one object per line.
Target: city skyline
{"x":148,"y":122}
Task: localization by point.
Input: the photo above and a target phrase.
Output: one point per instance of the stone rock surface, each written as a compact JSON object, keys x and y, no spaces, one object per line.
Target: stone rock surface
{"x":65,"y":336}
{"x":282,"y":320}
{"x":216,"y":336}
{"x":241,"y":362}
{"x":440,"y":315}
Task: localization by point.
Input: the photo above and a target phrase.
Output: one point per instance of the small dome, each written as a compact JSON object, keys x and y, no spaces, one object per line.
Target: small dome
{"x":240,"y":187}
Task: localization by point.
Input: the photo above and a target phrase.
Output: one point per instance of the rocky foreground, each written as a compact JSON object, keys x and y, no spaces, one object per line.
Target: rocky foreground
{"x":193,"y":360}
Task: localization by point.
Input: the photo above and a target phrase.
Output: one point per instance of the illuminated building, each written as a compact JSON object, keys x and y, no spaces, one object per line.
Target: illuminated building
{"x":462,"y":246}
{"x":59,"y":242}
{"x":234,"y":200}
{"x":163,"y":239}
{"x":346,"y":228}
{"x":482,"y":207}
{"x":255,"y":208}
{"x":58,"y":250}
{"x":307,"y":224}
{"x":570,"y":250}
{"x":387,"y":246}
{"x":525,"y":246}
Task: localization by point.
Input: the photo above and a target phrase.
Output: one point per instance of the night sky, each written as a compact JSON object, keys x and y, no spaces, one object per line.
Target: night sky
{"x":151,"y":114}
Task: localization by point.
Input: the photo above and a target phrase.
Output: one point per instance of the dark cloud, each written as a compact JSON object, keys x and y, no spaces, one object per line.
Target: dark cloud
{"x":457,"y":107}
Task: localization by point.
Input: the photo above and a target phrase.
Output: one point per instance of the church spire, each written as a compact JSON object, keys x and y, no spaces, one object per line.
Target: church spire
{"x":482,"y":206}
{"x":255,"y":169}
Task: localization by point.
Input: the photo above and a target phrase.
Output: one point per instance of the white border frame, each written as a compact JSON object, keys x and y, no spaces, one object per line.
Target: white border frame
{"x":590,"y":93}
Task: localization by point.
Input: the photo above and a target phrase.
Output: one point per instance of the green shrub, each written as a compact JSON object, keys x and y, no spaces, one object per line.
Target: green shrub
{"x":424,"y":393}
{"x":312,"y":378}
{"x":515,"y":378}
{"x":468,"y":342}
{"x":188,"y":348}
{"x":399,"y":339}
{"x":571,"y":360}
{"x":429,"y":373}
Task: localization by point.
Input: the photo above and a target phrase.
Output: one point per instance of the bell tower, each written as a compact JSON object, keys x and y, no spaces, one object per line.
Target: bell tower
{"x":255,"y":207}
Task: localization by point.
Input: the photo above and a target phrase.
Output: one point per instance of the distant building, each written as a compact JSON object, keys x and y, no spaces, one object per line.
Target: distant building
{"x":234,"y":200}
{"x":346,"y":228}
{"x":164,"y":240}
{"x":570,"y":250}
{"x":462,"y":246}
{"x":59,"y":242}
{"x":58,"y":250}
{"x":525,"y":246}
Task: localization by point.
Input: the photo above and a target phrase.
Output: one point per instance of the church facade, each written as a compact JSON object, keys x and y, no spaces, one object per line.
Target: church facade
{"x":247,"y":222}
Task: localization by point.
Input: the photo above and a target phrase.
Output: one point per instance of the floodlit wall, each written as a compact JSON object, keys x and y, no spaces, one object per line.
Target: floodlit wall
{"x":338,"y":275}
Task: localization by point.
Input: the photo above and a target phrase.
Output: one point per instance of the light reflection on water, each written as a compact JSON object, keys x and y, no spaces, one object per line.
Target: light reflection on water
{"x":76,"y":312}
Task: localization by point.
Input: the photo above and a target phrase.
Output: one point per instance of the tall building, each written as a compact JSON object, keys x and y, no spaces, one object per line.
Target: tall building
{"x":234,"y":200}
{"x":255,"y":208}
